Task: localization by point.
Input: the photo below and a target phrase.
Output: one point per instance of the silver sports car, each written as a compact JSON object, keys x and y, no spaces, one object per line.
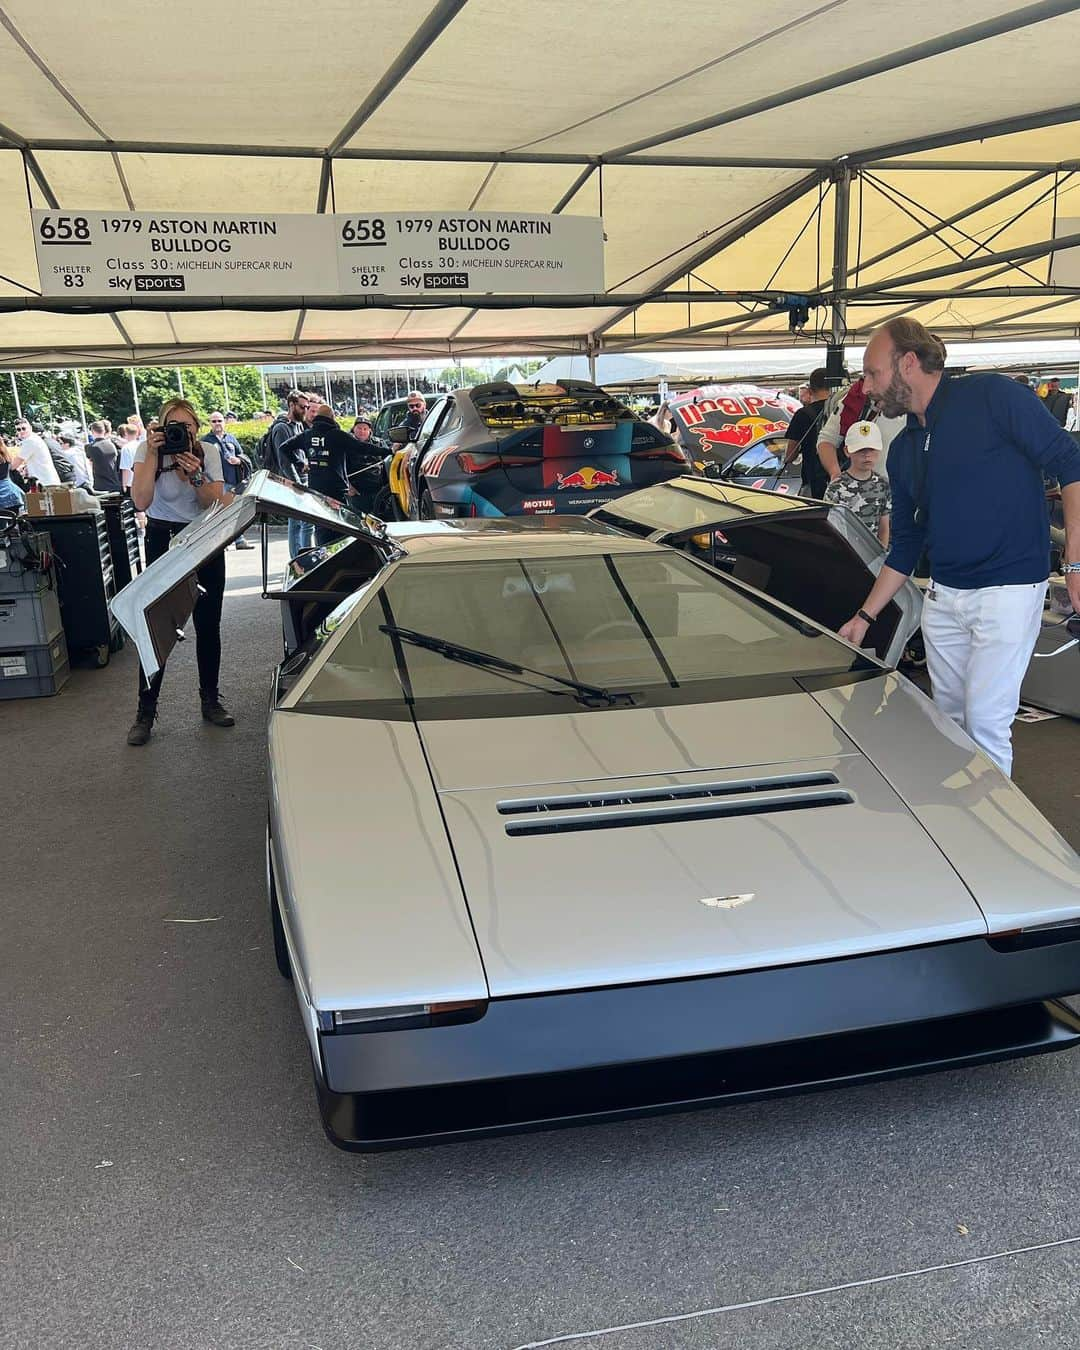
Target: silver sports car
{"x":566,"y":823}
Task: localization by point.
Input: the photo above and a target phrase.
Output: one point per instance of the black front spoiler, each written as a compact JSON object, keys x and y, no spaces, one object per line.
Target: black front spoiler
{"x":551,"y":1059}
{"x":369,"y":1122}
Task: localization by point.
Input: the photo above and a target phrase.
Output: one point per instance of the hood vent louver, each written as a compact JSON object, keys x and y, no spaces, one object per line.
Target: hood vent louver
{"x":666,"y":805}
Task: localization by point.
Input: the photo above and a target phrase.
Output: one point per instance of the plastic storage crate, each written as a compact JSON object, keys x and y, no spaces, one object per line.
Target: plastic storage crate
{"x":34,"y":672}
{"x":31,"y":619}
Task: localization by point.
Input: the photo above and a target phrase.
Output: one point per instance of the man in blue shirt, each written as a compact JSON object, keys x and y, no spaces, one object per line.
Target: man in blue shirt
{"x":232,"y":466}
{"x":967,"y":484}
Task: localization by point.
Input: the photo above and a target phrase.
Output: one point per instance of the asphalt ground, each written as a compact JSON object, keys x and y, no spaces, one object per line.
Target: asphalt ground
{"x":165,"y":1182}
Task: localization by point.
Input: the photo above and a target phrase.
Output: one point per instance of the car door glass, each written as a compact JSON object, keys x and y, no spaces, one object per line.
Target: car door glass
{"x":760,"y":461}
{"x":430,"y":422}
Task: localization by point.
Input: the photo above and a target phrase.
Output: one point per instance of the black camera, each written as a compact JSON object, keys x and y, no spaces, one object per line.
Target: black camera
{"x":177,"y":438}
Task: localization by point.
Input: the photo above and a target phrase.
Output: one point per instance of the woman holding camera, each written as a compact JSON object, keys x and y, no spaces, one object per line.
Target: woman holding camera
{"x":175,"y":478}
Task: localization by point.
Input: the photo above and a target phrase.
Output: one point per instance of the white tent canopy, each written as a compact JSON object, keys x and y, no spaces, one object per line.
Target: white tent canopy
{"x":722,"y":145}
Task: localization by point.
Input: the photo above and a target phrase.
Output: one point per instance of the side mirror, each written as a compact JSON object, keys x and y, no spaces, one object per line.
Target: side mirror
{"x":399,"y":436}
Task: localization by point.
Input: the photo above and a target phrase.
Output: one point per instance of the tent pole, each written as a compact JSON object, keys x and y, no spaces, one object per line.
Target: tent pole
{"x":326,"y":385}
{"x":355,"y":400}
{"x":225,"y":389}
{"x":590,"y":348}
{"x":180,"y":381}
{"x":135,"y":393}
{"x":262,"y":387}
{"x":841,"y":223}
{"x":15,"y":391}
{"x":79,"y":398}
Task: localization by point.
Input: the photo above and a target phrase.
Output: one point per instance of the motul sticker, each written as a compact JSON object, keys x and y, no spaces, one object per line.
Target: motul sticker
{"x":538,"y":506}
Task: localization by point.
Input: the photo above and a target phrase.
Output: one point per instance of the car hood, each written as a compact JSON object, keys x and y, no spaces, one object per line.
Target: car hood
{"x":697,"y":839}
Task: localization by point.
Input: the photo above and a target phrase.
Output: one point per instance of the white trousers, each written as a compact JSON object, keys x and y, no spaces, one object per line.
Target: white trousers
{"x":978,"y":647}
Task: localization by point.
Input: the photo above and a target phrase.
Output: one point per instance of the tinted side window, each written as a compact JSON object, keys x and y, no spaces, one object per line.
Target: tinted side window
{"x":759,"y":459}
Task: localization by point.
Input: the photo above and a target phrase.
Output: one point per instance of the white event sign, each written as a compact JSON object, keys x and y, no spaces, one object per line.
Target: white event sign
{"x":500,"y":252}
{"x":92,"y":254}
{"x":95,"y":253}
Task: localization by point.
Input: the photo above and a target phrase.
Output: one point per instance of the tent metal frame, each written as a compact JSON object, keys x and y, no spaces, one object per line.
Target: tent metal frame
{"x":841,"y":174}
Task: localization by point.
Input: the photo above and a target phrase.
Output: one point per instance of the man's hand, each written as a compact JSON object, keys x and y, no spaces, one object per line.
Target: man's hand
{"x":854,"y":631}
{"x":232,"y":459}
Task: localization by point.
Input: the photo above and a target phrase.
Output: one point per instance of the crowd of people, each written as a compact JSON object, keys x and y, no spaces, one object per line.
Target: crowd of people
{"x":100,"y":461}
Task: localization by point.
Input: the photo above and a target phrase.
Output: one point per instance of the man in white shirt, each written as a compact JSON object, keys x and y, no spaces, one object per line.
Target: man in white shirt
{"x":128,"y":446}
{"x":34,"y":460}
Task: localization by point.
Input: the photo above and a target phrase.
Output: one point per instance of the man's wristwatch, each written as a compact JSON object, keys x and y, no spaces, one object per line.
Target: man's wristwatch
{"x":866,"y":618}
{"x":197,"y":479}
{"x":1070,"y":567}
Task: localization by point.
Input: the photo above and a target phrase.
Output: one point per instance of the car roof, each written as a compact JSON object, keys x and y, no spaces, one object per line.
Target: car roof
{"x":517,"y":536}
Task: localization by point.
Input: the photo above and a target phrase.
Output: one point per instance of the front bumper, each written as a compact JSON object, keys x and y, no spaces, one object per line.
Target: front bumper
{"x":559,"y":1059}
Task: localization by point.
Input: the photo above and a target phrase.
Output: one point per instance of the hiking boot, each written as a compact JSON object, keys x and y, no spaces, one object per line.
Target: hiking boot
{"x":214,"y":712}
{"x":141,"y":727}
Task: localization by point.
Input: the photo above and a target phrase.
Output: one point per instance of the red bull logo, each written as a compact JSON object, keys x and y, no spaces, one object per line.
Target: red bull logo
{"x":740,"y":434}
{"x":588,"y":479}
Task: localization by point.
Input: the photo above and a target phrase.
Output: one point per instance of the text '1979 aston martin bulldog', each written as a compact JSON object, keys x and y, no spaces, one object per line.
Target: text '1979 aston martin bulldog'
{"x":566,"y":823}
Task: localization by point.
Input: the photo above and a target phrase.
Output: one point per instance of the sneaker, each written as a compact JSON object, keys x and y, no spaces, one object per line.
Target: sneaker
{"x":214,"y":712}
{"x":243,"y":543}
{"x":141,"y":727}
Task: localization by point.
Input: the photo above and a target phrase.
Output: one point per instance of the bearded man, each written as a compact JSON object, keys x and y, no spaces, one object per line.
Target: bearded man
{"x":968,"y":485}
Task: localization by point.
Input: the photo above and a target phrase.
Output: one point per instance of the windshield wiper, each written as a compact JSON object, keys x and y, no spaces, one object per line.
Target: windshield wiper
{"x":591,"y":695}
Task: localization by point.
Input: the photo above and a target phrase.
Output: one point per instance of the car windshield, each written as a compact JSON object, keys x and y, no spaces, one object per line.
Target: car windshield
{"x":657,"y":625}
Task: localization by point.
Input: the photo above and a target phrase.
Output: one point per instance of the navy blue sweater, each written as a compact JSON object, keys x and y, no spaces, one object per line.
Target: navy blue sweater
{"x":985,"y":450}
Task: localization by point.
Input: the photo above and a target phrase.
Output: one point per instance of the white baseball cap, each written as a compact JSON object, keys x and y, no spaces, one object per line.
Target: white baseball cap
{"x":863,"y":436}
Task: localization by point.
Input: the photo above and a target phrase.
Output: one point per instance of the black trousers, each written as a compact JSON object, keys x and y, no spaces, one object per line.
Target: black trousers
{"x":817,"y":483}
{"x":207,"y":615}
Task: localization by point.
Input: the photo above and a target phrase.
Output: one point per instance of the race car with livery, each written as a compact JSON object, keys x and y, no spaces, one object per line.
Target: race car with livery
{"x":735,"y":432}
{"x":568,"y":824}
{"x":545,"y":449}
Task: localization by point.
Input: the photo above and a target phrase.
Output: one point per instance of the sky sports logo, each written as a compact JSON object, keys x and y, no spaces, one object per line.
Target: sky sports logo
{"x":446,"y":281}
{"x":159,"y":283}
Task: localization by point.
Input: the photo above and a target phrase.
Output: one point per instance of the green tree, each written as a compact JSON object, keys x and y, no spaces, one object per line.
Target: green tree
{"x":206,"y":389}
{"x":461,"y":377}
{"x":44,"y":395}
{"x":107,"y":391}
